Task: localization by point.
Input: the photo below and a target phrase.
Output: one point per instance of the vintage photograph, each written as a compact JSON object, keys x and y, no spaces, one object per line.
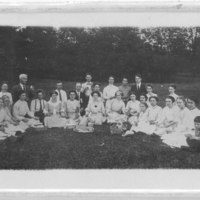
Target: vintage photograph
{"x":99,"y":97}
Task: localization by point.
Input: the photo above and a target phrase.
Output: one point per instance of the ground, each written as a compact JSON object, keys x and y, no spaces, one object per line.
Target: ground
{"x":59,"y":148}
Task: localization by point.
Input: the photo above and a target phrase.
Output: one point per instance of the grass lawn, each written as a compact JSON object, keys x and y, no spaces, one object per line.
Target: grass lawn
{"x":59,"y":148}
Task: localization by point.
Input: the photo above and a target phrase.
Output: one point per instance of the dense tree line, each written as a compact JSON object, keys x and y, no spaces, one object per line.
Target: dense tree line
{"x":159,"y":54}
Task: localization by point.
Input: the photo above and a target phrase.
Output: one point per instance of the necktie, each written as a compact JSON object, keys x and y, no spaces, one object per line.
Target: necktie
{"x":60,"y":95}
{"x":40,"y":105}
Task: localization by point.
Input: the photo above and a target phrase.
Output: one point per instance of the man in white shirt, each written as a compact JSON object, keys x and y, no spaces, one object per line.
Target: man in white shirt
{"x":109,"y":91}
{"x":38,"y":105}
{"x":88,"y":83}
{"x":62,"y":95}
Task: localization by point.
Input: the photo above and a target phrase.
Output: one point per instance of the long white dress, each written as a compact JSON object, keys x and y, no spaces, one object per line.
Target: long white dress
{"x":54,"y":109}
{"x":116,"y":111}
{"x":184,"y":126}
{"x":96,"y":112}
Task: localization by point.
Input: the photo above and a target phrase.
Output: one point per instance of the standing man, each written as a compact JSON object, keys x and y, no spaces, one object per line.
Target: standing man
{"x":22,"y":86}
{"x":125,"y":90}
{"x":62,"y":95}
{"x":138,"y":88}
{"x":78,"y":91}
{"x":88,"y":83}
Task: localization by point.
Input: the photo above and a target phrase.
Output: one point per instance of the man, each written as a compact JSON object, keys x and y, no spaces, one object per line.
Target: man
{"x":109,"y":91}
{"x":125,"y":90}
{"x":88,"y":83}
{"x":138,"y":88}
{"x":62,"y":95}
{"x":22,"y":86}
{"x":78,"y":91}
{"x":38,"y":105}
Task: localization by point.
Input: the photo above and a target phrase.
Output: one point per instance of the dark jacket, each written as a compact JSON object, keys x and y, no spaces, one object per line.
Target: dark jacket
{"x":138,"y":92}
{"x":16,"y":90}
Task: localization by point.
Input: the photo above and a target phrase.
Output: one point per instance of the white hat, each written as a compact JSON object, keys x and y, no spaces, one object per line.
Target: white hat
{"x":23,"y":76}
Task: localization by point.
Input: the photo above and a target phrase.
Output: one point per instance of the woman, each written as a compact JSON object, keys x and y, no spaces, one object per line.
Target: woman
{"x":150,"y":93}
{"x":54,"y":112}
{"x":172,"y":91}
{"x":72,"y":109}
{"x":143,"y":99}
{"x":4,"y":91}
{"x":116,"y":110}
{"x":95,"y":110}
{"x":85,"y":98}
{"x":142,"y":123}
{"x":184,"y":126}
{"x":132,"y":108}
{"x":168,"y":120}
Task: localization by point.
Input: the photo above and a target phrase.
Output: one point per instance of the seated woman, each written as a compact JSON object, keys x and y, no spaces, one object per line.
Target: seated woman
{"x":184,"y":126}
{"x":168,"y":120}
{"x":72,"y":109}
{"x":4,"y":91}
{"x":193,"y":139}
{"x":142,"y":124}
{"x":143,"y":99}
{"x":54,"y":112}
{"x":22,"y":113}
{"x":38,"y":105}
{"x":132,"y":109}
{"x":85,"y":97}
{"x":116,"y":109}
{"x":95,"y":111}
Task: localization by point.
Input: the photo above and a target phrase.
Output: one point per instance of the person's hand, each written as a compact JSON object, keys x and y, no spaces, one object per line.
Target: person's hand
{"x":62,"y":114}
{"x":25,"y":120}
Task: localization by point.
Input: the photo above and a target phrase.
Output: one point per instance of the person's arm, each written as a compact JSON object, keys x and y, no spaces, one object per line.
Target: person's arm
{"x":28,"y":112}
{"x":103,"y":110}
{"x":11,"y":99}
{"x":33,"y":105}
{"x":46,"y":109}
{"x":123,"y":108}
{"x":105,"y":94}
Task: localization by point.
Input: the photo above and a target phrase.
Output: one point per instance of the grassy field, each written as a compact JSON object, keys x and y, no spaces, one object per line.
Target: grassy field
{"x":59,"y":148}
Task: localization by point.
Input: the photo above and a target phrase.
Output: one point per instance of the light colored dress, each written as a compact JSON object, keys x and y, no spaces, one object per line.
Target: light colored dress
{"x":55,"y":119}
{"x":116,"y":111}
{"x":184,"y":126}
{"x":132,"y":110}
{"x":109,"y":92}
{"x":96,"y":112}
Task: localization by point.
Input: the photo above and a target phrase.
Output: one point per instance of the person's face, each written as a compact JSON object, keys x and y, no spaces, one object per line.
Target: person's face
{"x":168,"y":102}
{"x":153,"y":102}
{"x":40,"y":95}
{"x":95,"y":96}
{"x":124,"y":81}
{"x":133,"y":97}
{"x":4,"y":87}
{"x":197,"y":126}
{"x":78,"y":87}
{"x":142,"y":108}
{"x":88,"y":78}
{"x":149,"y":89}
{"x":118,"y":96}
{"x":142,"y":99}
{"x":96,"y":88}
{"x":111,"y":80}
{"x":59,"y":86}
{"x":180,"y":103}
{"x":138,"y":79}
{"x":54,"y":97}
{"x":23,"y":97}
{"x":191,"y":104}
{"x":171,"y":90}
{"x":1,"y":102}
{"x":24,"y":80}
{"x":6,"y":101}
{"x":72,"y":95}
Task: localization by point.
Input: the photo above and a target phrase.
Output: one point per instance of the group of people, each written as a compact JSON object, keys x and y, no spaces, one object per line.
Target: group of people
{"x":178,"y":123}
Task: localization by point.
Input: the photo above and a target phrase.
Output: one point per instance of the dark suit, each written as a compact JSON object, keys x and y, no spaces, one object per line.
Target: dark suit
{"x":138,"y":92}
{"x":77,"y":96}
{"x":16,"y":92}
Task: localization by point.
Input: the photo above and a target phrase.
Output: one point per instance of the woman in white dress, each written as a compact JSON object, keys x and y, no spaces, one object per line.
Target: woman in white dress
{"x":172,"y":92}
{"x":95,"y":111}
{"x":4,"y":91}
{"x":72,"y":109}
{"x":132,"y":109}
{"x":116,"y":110}
{"x":142,"y":124}
{"x":184,"y":126}
{"x":54,"y":112}
{"x":168,"y":120}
